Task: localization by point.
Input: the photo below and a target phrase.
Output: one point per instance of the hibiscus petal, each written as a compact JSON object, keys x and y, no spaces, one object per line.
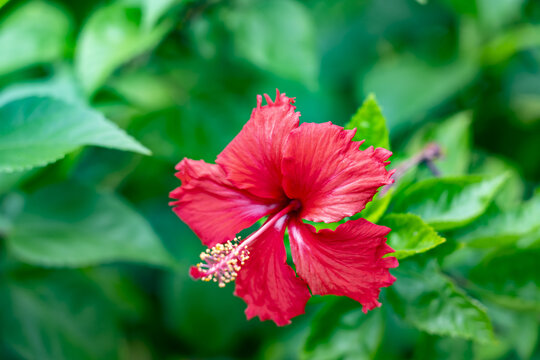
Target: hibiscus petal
{"x":325,"y":170}
{"x":189,"y":169}
{"x":267,"y":284}
{"x":348,"y":261}
{"x":252,"y":160}
{"x":211,"y":206}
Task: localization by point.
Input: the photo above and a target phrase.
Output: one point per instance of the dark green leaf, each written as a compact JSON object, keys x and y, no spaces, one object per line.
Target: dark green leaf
{"x":195,"y":308}
{"x":72,"y":225}
{"x":36,"y":131}
{"x":410,"y":235}
{"x":370,"y":125}
{"x":430,"y":301}
{"x":447,"y":203}
{"x":342,"y":331}
{"x":57,"y":317}
{"x":508,"y":43}
{"x":510,"y":279}
{"x":34,"y":33}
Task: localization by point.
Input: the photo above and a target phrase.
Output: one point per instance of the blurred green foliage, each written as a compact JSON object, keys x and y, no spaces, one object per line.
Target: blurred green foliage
{"x":93,"y":263}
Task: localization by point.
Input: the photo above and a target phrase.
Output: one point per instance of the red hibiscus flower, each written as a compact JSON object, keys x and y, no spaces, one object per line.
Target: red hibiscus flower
{"x":276,"y":168}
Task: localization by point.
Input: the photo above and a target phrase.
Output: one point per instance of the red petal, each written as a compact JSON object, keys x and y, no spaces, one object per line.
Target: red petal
{"x":195,"y":273}
{"x":189,"y":169}
{"x":348,"y":261}
{"x":267,"y":284}
{"x":325,"y":170}
{"x":208,"y":203}
{"x":252,"y":160}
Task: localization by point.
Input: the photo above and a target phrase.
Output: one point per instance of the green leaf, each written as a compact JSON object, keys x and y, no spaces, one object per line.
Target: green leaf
{"x":495,"y":14}
{"x":57,"y":316}
{"x":277,"y":36}
{"x":33,"y":33}
{"x":144,"y":90}
{"x":453,"y":137}
{"x":72,"y":225}
{"x":190,"y":306}
{"x":153,"y":10}
{"x":410,"y":235}
{"x":430,"y":301}
{"x":112,"y":36}
{"x":403,"y":97}
{"x":448,"y":203}
{"x":370,"y":125}
{"x":62,"y":86}
{"x":511,"y":195}
{"x":514,"y":330}
{"x":376,"y":208}
{"x":509,"y":279}
{"x":340,"y":330}
{"x":36,"y":131}
{"x":510,"y":42}
{"x":496,"y":229}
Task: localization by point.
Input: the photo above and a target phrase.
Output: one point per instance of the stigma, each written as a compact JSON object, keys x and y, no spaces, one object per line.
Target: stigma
{"x":222,"y":263}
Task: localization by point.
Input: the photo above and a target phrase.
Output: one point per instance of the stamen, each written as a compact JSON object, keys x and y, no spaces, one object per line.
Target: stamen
{"x":222,"y":262}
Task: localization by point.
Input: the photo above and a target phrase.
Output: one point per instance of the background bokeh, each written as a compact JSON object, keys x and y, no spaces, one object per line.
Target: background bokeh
{"x":93,"y":262}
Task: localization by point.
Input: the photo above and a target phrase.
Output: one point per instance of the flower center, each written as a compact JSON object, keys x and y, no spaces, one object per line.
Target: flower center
{"x":222,"y":263}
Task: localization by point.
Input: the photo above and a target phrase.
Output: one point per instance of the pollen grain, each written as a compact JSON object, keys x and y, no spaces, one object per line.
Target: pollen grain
{"x":222,"y":262}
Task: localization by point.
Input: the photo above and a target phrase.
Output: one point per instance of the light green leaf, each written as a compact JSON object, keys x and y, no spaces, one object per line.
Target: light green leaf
{"x":33,"y":33}
{"x":410,"y":235}
{"x":72,"y":225}
{"x":509,"y":279}
{"x":57,"y":316}
{"x":340,"y":330}
{"x":453,"y":136}
{"x":511,"y":195}
{"x":495,"y":14}
{"x":144,"y":90}
{"x":36,"y":131}
{"x":376,"y":208}
{"x":447,"y":203}
{"x":153,"y":10}
{"x":430,"y":301}
{"x":277,"y":36}
{"x":496,"y":229}
{"x":62,"y":86}
{"x":403,"y":97}
{"x":370,"y":125}
{"x":112,"y":36}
